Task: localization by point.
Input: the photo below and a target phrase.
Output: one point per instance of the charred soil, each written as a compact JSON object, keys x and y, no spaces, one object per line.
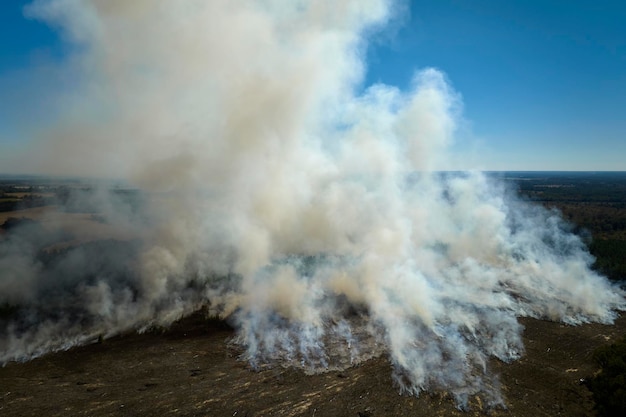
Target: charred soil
{"x":191,"y":370}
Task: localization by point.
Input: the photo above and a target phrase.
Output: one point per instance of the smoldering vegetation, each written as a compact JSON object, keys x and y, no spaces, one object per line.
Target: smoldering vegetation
{"x":439,"y":320}
{"x":280,"y":194}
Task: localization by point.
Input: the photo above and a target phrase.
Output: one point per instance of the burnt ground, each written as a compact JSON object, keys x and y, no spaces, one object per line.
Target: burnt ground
{"x":190,"y":370}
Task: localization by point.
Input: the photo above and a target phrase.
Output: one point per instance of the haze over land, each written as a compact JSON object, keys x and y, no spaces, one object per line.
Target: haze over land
{"x":269,"y":187}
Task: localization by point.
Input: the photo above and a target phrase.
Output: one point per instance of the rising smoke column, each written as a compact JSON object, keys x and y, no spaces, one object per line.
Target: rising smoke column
{"x":308,"y":212}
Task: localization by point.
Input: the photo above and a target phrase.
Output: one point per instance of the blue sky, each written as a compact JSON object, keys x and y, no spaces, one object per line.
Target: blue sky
{"x":543,"y":82}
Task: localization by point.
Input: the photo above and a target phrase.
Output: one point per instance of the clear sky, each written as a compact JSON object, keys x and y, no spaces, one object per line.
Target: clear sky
{"x":543,"y":82}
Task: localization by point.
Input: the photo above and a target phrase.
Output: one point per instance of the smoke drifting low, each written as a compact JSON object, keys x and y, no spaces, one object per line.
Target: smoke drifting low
{"x":275,"y":191}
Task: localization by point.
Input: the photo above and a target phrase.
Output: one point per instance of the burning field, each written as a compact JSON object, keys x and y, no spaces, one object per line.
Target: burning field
{"x":191,"y":370}
{"x":276,"y":193}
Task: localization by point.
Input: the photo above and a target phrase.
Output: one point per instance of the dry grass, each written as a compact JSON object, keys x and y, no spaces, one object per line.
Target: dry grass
{"x":31,"y":213}
{"x":81,"y":227}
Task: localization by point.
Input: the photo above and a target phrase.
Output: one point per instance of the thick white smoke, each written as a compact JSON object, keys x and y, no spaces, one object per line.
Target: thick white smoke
{"x":310,"y":213}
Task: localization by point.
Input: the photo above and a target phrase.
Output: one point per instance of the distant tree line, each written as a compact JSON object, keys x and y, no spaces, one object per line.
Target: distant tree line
{"x":595,"y":204}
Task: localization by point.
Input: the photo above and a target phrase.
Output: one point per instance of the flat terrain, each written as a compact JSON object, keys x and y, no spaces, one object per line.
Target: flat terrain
{"x":191,"y":370}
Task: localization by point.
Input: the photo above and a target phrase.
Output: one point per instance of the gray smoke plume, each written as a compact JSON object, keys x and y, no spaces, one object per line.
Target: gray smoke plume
{"x":275,"y":191}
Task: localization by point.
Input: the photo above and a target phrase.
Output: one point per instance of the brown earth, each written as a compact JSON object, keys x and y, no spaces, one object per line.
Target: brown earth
{"x":190,"y":370}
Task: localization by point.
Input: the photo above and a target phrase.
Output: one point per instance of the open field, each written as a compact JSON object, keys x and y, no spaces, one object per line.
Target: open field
{"x":192,"y":370}
{"x":21,"y":195}
{"x":76,"y":228}
{"x":31,"y":213}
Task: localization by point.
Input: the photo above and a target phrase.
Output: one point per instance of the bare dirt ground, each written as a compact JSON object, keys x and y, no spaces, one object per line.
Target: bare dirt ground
{"x":190,"y":370}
